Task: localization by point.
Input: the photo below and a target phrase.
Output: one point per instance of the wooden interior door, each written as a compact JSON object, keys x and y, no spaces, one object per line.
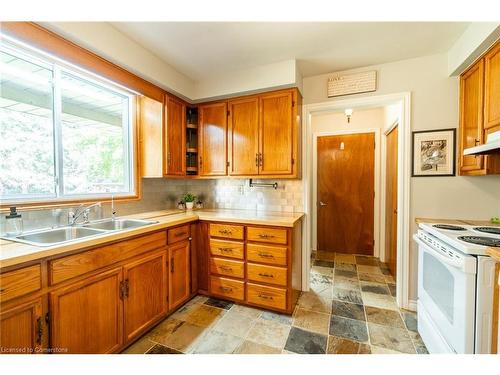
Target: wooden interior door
{"x":179,"y":280}
{"x":471,"y":116}
{"x":87,"y":316}
{"x":146,"y":297}
{"x":345,"y":195}
{"x":22,"y":328}
{"x":175,"y":133}
{"x":213,"y":139}
{"x":391,"y":200}
{"x":276,"y":133}
{"x":243,"y":133}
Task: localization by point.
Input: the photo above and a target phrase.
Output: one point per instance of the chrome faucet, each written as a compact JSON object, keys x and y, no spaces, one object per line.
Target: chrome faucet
{"x":82,"y":210}
{"x":113,"y":212}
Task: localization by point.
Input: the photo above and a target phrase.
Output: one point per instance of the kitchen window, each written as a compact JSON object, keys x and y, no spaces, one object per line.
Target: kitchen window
{"x":65,"y":134}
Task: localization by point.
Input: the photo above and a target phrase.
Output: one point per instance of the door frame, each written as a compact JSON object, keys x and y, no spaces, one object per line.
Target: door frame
{"x":376,"y":184}
{"x":404,"y":172}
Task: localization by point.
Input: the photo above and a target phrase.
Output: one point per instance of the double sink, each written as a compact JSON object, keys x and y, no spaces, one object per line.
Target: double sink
{"x":56,"y":236}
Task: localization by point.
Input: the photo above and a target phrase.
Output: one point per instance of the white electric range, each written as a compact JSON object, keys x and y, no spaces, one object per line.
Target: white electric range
{"x":455,"y":287}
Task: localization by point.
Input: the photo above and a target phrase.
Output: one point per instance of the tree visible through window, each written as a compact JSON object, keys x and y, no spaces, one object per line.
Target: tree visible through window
{"x":62,"y":134}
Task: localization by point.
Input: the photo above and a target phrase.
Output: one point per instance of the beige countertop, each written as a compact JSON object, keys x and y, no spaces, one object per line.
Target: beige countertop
{"x":14,"y":253}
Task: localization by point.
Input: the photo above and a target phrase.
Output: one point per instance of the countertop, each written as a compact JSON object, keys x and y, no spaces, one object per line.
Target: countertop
{"x":14,"y":253}
{"x":493,"y":252}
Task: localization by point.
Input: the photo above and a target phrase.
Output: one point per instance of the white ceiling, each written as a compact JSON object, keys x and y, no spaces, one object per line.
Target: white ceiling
{"x":201,"y":49}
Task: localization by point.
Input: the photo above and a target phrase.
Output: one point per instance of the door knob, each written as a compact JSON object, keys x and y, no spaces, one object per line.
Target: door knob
{"x":322,"y":204}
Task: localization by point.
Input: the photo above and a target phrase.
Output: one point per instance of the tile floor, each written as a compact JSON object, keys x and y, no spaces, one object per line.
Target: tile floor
{"x":350,"y":309}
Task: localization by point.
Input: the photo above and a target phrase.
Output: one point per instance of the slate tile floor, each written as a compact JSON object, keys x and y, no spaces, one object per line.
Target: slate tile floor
{"x":350,"y":309}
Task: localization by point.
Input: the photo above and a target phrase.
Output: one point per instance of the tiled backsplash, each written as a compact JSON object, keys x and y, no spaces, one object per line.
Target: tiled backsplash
{"x":160,"y":194}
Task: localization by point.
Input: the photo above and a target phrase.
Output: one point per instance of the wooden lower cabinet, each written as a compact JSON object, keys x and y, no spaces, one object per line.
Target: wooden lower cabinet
{"x":22,"y":328}
{"x":262,"y":267}
{"x":145,"y":283}
{"x":87,"y":316}
{"x":179,"y":279}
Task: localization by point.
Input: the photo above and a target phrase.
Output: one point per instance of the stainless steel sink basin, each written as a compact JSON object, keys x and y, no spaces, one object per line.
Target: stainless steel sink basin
{"x":118,"y":224}
{"x":57,"y":235}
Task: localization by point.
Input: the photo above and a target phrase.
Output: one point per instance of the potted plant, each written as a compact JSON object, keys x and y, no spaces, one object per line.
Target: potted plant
{"x":189,"y":200}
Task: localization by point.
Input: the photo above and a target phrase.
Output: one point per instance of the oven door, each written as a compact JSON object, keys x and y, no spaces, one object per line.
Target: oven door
{"x":446,"y":291}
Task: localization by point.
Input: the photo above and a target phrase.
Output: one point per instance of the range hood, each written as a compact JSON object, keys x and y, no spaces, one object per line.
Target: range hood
{"x":492,"y":146}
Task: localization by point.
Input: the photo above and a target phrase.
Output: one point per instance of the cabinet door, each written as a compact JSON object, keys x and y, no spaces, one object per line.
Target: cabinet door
{"x":179,"y":280}
{"x":492,"y":88}
{"x":87,"y":316}
{"x":212,"y":137}
{"x":22,"y":328}
{"x":471,"y":116}
{"x":175,"y":137}
{"x":243,"y":133}
{"x":151,"y":137}
{"x":146,"y":292}
{"x":276,"y":133}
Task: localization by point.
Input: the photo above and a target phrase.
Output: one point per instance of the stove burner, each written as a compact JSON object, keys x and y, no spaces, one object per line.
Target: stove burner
{"x":490,"y":230}
{"x":448,"y":227}
{"x":479,"y":240}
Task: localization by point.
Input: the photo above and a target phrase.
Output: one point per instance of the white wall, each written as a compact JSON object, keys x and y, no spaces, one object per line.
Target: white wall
{"x":434,"y":105}
{"x":271,"y":76}
{"x":475,"y":40}
{"x":106,"y":41}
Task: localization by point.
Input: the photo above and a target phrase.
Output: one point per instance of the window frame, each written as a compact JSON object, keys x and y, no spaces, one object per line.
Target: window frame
{"x":129,"y":126}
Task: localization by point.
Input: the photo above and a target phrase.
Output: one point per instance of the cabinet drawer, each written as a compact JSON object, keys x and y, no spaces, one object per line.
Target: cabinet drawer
{"x":266,"y":274}
{"x":266,"y":296}
{"x":20,"y":282}
{"x":266,"y":254}
{"x":263,"y":234}
{"x":233,"y":289}
{"x":178,"y":234}
{"x":78,"y":264}
{"x":226,"y":267}
{"x":227,"y":249}
{"x":235,"y":232}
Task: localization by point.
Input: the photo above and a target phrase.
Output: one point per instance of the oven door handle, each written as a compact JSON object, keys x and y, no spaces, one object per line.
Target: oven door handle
{"x":457,"y":263}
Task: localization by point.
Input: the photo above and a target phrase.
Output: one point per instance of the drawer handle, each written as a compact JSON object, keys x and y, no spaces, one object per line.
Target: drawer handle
{"x":226,"y":268}
{"x":226,"y":249}
{"x":265,"y":235}
{"x":225,"y":231}
{"x":180,"y":234}
{"x":264,"y":296}
{"x":266,"y":255}
{"x":226,"y":289}
{"x":266,"y":275}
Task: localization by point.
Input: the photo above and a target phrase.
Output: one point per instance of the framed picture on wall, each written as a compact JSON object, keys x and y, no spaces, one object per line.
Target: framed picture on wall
{"x":433,"y":153}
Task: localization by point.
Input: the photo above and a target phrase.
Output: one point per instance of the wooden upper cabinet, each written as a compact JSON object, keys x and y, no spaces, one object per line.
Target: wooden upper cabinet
{"x":277,"y":133}
{"x":22,"y":328}
{"x":213,"y":139}
{"x":492,"y":89}
{"x":179,"y":280}
{"x":87,"y":316}
{"x":243,"y":134}
{"x":150,"y":117}
{"x":480,"y":113}
{"x":471,"y":116}
{"x":145,"y":282}
{"x":175,"y":134}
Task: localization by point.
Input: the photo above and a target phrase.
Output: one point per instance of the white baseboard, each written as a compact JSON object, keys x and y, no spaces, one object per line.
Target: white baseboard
{"x":412,"y":305}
